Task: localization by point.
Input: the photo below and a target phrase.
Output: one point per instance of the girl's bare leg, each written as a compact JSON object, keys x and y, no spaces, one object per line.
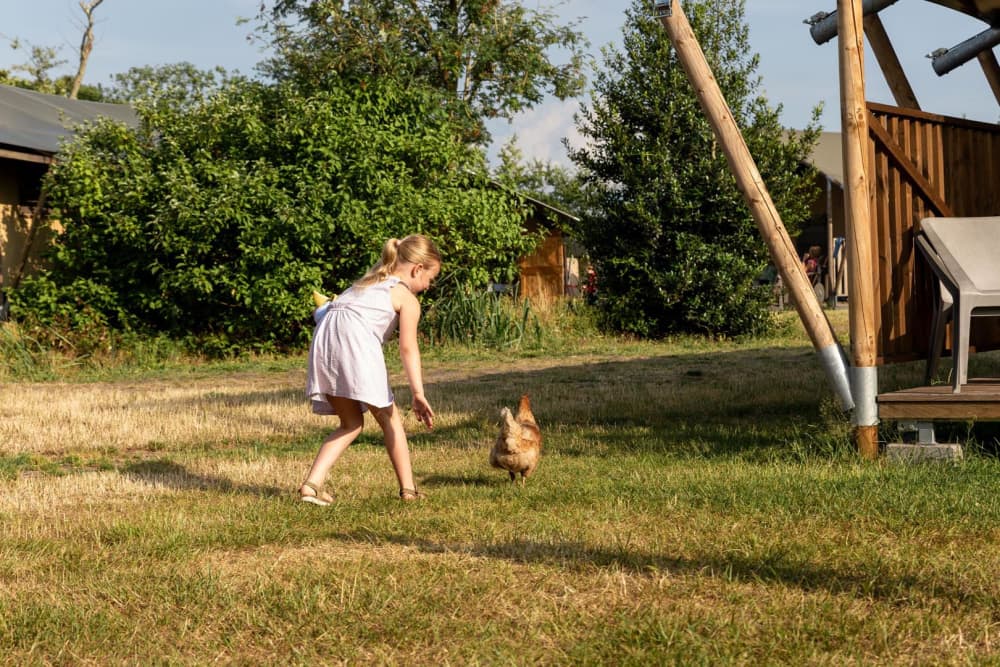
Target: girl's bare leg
{"x":351,"y":422}
{"x":395,"y":443}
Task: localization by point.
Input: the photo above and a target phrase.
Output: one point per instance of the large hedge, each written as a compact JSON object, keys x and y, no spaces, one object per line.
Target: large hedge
{"x":213,"y":224}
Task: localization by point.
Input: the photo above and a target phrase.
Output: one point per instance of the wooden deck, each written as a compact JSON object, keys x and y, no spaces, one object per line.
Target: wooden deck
{"x":980,"y":399}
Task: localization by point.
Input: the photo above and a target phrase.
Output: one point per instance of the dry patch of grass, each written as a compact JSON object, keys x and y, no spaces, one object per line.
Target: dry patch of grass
{"x":58,"y":417}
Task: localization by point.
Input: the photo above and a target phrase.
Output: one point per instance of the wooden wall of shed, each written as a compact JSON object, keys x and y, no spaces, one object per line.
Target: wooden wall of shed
{"x":19,"y":184}
{"x":923,"y":165}
{"x":542,"y":272}
{"x":12,"y":232}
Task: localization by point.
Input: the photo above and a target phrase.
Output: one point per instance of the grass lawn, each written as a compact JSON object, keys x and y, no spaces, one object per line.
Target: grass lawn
{"x":696,"y":503}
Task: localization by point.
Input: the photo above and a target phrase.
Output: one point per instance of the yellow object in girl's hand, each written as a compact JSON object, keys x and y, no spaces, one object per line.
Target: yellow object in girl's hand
{"x":320,"y":299}
{"x":322,"y":305}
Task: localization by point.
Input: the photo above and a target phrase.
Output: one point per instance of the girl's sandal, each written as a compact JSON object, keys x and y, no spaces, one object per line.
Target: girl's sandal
{"x":317,"y":497}
{"x":409,"y":495}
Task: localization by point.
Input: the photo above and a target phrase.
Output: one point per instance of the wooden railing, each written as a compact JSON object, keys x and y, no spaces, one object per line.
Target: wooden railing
{"x":923,"y":165}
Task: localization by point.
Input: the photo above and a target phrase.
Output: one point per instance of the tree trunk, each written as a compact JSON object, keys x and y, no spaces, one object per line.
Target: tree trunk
{"x":86,"y":45}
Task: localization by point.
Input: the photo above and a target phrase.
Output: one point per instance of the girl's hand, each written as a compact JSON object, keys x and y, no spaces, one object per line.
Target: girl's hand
{"x":423,"y":410}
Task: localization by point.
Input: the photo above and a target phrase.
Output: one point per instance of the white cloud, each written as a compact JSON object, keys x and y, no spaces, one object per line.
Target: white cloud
{"x":540,"y":132}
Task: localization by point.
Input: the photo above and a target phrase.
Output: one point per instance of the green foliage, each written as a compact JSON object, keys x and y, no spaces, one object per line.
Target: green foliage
{"x":78,"y":317}
{"x":22,"y":357}
{"x":487,"y":55}
{"x":214,"y":223}
{"x":675,"y":246}
{"x":179,"y":86}
{"x":41,"y":61}
{"x":480,"y":318}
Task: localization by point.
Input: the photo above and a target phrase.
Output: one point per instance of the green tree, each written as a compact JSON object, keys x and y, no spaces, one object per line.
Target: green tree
{"x":674,"y":244}
{"x":41,"y":61}
{"x":178,"y":86}
{"x":215,"y":222}
{"x":490,"y":56}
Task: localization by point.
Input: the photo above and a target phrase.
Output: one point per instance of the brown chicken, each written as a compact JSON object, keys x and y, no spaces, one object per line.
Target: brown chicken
{"x":519,"y":445}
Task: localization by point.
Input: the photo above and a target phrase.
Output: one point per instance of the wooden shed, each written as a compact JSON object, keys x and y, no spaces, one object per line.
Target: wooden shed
{"x":548,"y":273}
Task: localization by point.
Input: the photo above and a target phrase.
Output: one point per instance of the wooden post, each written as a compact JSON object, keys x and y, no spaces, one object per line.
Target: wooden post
{"x":887,"y":59}
{"x":991,"y":69}
{"x":750,"y":183}
{"x":857,"y":207}
{"x":830,"y":284}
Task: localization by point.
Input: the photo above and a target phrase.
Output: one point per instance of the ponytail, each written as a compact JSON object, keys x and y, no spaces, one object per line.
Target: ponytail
{"x":415,"y":248}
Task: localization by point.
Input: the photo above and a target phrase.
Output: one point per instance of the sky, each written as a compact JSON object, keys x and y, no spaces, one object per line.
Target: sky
{"x":796,"y":73}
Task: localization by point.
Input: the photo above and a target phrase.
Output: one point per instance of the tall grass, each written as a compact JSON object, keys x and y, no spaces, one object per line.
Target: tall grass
{"x":24,"y":357}
{"x":482,"y":318}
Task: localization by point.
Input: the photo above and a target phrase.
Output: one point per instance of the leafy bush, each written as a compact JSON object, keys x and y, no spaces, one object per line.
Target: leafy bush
{"x":213,"y":225}
{"x":77,"y":318}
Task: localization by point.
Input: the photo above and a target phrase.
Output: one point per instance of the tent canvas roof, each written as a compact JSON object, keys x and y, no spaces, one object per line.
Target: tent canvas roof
{"x":986,"y":10}
{"x":828,"y":157}
{"x":38,"y":123}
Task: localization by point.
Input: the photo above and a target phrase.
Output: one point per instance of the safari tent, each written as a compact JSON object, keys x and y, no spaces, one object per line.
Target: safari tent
{"x":32,"y":127}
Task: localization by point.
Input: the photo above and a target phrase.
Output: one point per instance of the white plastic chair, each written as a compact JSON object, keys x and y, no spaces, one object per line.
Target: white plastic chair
{"x":963,"y":253}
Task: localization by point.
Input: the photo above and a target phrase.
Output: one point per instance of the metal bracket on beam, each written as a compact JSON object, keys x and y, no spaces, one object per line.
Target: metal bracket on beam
{"x":823,"y":25}
{"x":663,"y":8}
{"x":945,"y":60}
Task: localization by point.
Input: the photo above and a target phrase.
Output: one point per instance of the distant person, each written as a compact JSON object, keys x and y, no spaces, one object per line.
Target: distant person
{"x":813,"y":261}
{"x":346,"y":373}
{"x":768,"y":276}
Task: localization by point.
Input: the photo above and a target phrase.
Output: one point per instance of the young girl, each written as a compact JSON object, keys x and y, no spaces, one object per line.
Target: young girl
{"x":347,"y":373}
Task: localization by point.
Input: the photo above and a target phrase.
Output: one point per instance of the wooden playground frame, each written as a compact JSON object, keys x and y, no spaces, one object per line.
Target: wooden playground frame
{"x":900,"y":165}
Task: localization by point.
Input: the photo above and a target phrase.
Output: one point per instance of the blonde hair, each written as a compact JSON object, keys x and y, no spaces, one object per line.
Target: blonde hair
{"x":415,"y":249}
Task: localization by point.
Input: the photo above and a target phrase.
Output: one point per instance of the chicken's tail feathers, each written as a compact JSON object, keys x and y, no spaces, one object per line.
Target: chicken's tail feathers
{"x":524,"y":413}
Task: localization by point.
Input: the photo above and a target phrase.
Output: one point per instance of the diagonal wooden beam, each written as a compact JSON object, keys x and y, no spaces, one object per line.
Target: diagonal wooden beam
{"x":755,"y":194}
{"x":907,"y":166}
{"x":887,"y":59}
{"x":991,"y":69}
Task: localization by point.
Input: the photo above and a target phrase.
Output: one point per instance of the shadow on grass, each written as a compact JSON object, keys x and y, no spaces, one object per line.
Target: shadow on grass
{"x":176,"y":476}
{"x":871,"y":581}
{"x":745,"y":402}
